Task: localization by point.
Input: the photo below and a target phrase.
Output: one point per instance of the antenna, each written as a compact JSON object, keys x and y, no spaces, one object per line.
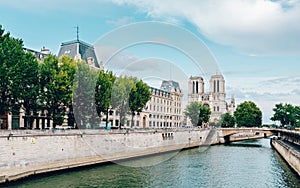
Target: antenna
{"x":77,"y":33}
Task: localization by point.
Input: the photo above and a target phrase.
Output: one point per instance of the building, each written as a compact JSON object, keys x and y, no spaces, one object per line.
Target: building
{"x":40,"y":55}
{"x":215,"y":99}
{"x":80,"y":50}
{"x":163,"y":110}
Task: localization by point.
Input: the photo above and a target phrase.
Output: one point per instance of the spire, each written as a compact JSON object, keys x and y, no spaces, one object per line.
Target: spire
{"x":77,"y":33}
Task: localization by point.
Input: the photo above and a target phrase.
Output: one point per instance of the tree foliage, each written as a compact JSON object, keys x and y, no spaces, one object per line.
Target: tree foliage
{"x":19,"y":85}
{"x":138,"y":98}
{"x":56,"y":79}
{"x":248,"y":114}
{"x":120,"y":96}
{"x":286,"y":114}
{"x":227,"y":120}
{"x":11,"y":54}
{"x":103,"y":92}
{"x":197,"y":113}
{"x":84,"y":95}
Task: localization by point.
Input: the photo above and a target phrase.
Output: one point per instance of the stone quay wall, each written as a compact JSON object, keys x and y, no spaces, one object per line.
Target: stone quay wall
{"x":290,"y":155}
{"x":29,"y":152}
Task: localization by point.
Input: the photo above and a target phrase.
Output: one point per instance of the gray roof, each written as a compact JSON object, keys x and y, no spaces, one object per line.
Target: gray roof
{"x":78,"y":47}
{"x":168,"y":85}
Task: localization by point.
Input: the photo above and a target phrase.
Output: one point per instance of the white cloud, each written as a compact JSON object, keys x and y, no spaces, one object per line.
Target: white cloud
{"x":265,"y":92}
{"x":254,"y":27}
{"x":121,"y":21}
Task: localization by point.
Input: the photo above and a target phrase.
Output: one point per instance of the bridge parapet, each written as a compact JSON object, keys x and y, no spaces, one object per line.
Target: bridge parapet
{"x":289,"y":135}
{"x":231,"y":131}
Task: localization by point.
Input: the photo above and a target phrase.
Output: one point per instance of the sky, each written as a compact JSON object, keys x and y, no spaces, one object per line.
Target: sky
{"x":255,"y":43}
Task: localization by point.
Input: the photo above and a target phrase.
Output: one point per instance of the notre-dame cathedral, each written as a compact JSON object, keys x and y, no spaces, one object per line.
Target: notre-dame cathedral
{"x":215,"y":99}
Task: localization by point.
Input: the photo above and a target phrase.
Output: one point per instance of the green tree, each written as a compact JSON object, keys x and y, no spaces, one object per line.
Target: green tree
{"x":19,"y":86}
{"x":56,"y":79}
{"x":120,"y":96}
{"x":227,"y":120}
{"x":11,"y":53}
{"x":103,"y":93}
{"x":204,"y":115}
{"x":286,"y":114}
{"x":197,"y":113}
{"x":67,"y":71}
{"x":138,"y":98}
{"x":84,"y":95}
{"x":25,"y":87}
{"x":248,"y":114}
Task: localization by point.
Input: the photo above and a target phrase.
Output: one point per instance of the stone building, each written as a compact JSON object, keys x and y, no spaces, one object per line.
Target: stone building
{"x":80,"y":50}
{"x":215,"y":99}
{"x":163,"y":110}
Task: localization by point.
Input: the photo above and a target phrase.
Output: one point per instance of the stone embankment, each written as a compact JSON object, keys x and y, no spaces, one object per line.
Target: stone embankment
{"x":289,"y":151}
{"x":29,"y":152}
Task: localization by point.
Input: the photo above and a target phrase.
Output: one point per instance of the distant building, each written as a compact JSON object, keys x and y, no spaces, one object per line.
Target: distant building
{"x":40,"y":55}
{"x":215,"y":99}
{"x":80,"y":50}
{"x":163,"y":110}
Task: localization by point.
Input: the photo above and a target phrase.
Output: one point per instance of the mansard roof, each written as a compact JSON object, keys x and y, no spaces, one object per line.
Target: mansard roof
{"x":75,"y":47}
{"x":168,"y":85}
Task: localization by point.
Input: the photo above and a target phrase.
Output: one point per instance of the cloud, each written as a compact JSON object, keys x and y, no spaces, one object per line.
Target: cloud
{"x":265,"y":92}
{"x":121,"y":21}
{"x":253,"y":27}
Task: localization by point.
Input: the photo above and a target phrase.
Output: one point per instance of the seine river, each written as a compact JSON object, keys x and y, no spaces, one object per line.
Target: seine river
{"x":242,"y":164}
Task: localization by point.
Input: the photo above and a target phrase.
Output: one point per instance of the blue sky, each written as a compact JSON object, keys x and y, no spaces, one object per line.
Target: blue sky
{"x":256,"y":43}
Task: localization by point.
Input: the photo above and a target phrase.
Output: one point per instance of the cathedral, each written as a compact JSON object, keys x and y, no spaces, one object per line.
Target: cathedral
{"x":215,"y":99}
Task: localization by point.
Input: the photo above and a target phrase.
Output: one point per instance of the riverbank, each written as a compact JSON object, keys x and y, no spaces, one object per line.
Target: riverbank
{"x":30,"y":152}
{"x":288,"y":152}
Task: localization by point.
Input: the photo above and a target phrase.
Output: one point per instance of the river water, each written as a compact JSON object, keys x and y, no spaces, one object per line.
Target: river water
{"x":242,"y":164}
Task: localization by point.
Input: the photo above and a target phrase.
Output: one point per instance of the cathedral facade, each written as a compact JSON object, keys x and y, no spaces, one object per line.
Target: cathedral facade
{"x":215,"y":99}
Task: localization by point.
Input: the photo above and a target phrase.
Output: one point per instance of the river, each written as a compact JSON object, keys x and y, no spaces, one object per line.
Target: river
{"x":241,"y":164}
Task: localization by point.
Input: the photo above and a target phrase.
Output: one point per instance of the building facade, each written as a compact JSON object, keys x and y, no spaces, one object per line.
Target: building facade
{"x":163,"y":110}
{"x":215,"y":99}
{"x":80,"y":50}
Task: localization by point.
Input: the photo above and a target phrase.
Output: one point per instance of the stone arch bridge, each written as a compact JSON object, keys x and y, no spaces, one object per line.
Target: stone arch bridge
{"x":227,"y":135}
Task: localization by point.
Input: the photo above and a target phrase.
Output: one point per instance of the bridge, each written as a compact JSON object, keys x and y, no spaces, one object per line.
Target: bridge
{"x":227,"y":135}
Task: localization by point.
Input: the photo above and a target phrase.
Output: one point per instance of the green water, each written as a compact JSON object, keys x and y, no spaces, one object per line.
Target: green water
{"x":244,"y":164}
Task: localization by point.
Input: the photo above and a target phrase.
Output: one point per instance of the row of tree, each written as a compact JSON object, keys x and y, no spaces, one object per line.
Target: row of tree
{"x":287,"y":115}
{"x":60,"y":87}
{"x":247,"y":114}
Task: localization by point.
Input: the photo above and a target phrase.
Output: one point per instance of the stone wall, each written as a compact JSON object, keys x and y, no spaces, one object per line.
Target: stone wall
{"x":31,"y":152}
{"x":291,"y":156}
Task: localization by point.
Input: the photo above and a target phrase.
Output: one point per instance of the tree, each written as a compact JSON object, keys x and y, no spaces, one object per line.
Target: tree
{"x":248,"y":114}
{"x":204,"y":115}
{"x":138,"y":98}
{"x":227,"y":120}
{"x":197,"y":113}
{"x":103,"y":93}
{"x":120,"y":96}
{"x":84,"y":95}
{"x":19,"y":85}
{"x":56,"y":79}
{"x":286,"y":114}
{"x":67,"y":71}
{"x":11,"y":53}
{"x":25,"y":88}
